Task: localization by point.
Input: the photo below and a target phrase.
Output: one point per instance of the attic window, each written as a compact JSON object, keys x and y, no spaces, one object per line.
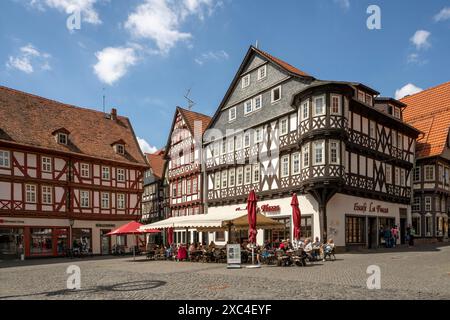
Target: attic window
{"x":120,"y":148}
{"x":62,"y":138}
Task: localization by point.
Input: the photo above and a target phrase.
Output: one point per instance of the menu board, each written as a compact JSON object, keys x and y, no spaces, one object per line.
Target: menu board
{"x":233,"y":254}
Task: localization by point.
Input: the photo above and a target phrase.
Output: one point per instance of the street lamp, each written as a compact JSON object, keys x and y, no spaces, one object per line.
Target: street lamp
{"x":71,"y":223}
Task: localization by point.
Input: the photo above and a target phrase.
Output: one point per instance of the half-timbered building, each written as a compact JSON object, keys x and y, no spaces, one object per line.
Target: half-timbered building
{"x":429,"y":111}
{"x":284,"y":131}
{"x":184,"y":170}
{"x":68,"y":175}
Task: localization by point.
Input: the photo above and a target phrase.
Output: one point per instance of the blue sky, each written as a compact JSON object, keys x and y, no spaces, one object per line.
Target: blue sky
{"x":147,"y":53}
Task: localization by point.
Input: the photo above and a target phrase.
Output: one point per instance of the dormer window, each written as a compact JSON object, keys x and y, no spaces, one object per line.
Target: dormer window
{"x":62,"y":138}
{"x":119,"y":146}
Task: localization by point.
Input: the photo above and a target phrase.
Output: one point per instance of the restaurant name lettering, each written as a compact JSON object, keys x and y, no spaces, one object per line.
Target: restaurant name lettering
{"x":264,"y":208}
{"x":370,"y":208}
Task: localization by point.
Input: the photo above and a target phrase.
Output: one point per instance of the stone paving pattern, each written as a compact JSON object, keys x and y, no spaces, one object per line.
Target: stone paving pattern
{"x":405,"y":274}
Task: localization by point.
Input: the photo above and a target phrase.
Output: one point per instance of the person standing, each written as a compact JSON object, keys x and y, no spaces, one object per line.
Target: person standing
{"x":394,"y":234}
{"x":411,"y":236}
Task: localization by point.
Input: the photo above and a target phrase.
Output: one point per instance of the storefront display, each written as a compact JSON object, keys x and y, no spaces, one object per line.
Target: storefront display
{"x":11,"y":241}
{"x":41,"y":241}
{"x":82,"y":239}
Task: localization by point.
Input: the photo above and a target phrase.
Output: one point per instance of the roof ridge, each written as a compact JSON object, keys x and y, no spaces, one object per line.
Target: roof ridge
{"x":199,"y":113}
{"x":31,"y":95}
{"x":426,"y":90}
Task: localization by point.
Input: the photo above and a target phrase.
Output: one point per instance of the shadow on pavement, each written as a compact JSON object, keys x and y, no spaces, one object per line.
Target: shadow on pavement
{"x":401,"y":248}
{"x":119,"y":287}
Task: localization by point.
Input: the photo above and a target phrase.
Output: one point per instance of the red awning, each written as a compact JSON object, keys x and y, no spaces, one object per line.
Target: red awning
{"x":131,"y":228}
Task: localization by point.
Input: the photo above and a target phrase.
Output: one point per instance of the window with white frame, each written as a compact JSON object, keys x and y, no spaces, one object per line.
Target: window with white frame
{"x":47,"y":195}
{"x":46,"y":164}
{"x":194,"y":185}
{"x":369,"y":99}
{"x":305,"y":155}
{"x":120,"y":148}
{"x":258,"y":135}
{"x":84,"y":199}
{"x":284,"y":169}
{"x":319,"y":106}
{"x":188,"y":186}
{"x":372,"y":129}
{"x":276,"y":94}
{"x":334,"y":152}
{"x":319,"y":152}
{"x":417,"y":174}
{"x":62,"y":138}
{"x":231,"y":177}
{"x":85,"y":170}
{"x":232,"y":114}
{"x":283,"y":126}
{"x":394,"y":138}
{"x":262,"y":72}
{"x":256,"y":173}
{"x":427,"y":203}
{"x":30,"y":190}
{"x":224,"y":179}
{"x":247,"y":140}
{"x":106,"y":173}
{"x":120,"y":175}
{"x":437,"y":204}
{"x":239,"y":142}
{"x":402,"y":177}
{"x":428,"y":226}
{"x":223,"y":147}
{"x":399,"y":140}
{"x":397,"y":176}
{"x":429,"y":173}
{"x":245,"y":81}
{"x":239,"y":176}
{"x":295,"y":163}
{"x":216,"y":149}
{"x":248,"y":174}
{"x":305,"y":110}
{"x":416,"y":204}
{"x":361,"y":96}
{"x":335,"y":104}
{"x":4,"y":159}
{"x":440,"y":174}
{"x":388,"y":174}
{"x":447,"y":176}
{"x":217,"y":180}
{"x":248,"y":106}
{"x":121,"y":201}
{"x":105,"y":200}
{"x":257,"y":103}
{"x":230,"y":144}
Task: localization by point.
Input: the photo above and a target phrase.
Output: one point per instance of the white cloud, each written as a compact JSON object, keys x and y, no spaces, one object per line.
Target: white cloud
{"x":212,"y":56}
{"x":145,"y":146}
{"x":444,"y":14}
{"x":420,"y":39}
{"x":345,"y":4}
{"x":406,"y":90}
{"x":415,"y":58}
{"x":28,"y":59}
{"x":160,"y":20}
{"x":113,"y":63}
{"x":85,"y":7}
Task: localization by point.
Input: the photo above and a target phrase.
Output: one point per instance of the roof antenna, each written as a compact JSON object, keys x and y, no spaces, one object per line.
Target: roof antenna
{"x":104,"y":100}
{"x":257,"y":45}
{"x":191,"y":103}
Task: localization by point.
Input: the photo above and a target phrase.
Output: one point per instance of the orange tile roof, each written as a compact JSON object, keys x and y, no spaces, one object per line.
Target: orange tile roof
{"x":429,"y":111}
{"x":282,"y":63}
{"x":157,"y":162}
{"x":191,"y":117}
{"x":30,"y":120}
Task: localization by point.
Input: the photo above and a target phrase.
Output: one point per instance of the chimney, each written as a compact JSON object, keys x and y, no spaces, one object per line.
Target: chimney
{"x":114,"y":114}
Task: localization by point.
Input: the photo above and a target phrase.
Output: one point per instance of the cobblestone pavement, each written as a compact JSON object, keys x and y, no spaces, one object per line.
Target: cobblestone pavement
{"x":405,"y":274}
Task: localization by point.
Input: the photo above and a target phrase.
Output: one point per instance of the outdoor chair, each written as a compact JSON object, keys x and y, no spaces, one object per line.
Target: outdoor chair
{"x":331,"y":255}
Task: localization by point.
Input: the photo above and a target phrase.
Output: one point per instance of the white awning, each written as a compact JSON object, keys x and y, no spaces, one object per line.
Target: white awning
{"x":219,"y":221}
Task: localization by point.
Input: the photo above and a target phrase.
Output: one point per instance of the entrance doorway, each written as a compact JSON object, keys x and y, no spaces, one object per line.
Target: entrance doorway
{"x":372,"y":233}
{"x":402,"y":230}
{"x":105,"y":241}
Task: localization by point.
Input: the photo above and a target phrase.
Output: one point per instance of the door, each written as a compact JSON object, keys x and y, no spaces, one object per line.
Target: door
{"x":105,"y":242}
{"x":402,"y":230}
{"x":372,"y":233}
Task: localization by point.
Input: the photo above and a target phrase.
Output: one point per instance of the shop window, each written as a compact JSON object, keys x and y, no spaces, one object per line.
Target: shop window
{"x":41,"y":241}
{"x":82,"y":239}
{"x":220,"y":236}
{"x":355,"y":230}
{"x":306,"y":227}
{"x":428,"y":226}
{"x":416,"y":224}
{"x":62,"y":241}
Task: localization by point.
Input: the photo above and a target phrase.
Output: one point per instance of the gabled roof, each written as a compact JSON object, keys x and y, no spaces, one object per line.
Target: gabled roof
{"x":429,"y":111}
{"x":30,"y":120}
{"x":291,"y":70}
{"x":157,"y":162}
{"x":191,"y":118}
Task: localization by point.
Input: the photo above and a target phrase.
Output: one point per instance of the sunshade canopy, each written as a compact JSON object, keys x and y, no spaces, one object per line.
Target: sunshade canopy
{"x":217,"y":221}
{"x":131,"y":228}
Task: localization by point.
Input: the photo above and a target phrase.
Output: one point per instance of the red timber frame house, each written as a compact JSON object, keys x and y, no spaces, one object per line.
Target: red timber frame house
{"x":68,"y":176}
{"x":185,"y":176}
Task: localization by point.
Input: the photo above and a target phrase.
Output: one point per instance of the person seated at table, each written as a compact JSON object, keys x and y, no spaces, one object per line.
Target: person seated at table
{"x":192,"y":247}
{"x":267,"y":245}
{"x":282,"y":245}
{"x":212,"y":245}
{"x":308,"y":248}
{"x":182,"y":253}
{"x":289,"y":244}
{"x":328,"y":248}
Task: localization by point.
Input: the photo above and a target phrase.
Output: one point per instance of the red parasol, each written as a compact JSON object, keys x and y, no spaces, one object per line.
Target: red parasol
{"x":170,"y":236}
{"x":131,"y":228}
{"x":296,"y":216}
{"x":251,"y":211}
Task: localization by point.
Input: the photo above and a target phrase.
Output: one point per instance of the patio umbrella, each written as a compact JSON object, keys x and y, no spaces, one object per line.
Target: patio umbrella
{"x":296,"y":216}
{"x":131,"y":228}
{"x":251,"y":215}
